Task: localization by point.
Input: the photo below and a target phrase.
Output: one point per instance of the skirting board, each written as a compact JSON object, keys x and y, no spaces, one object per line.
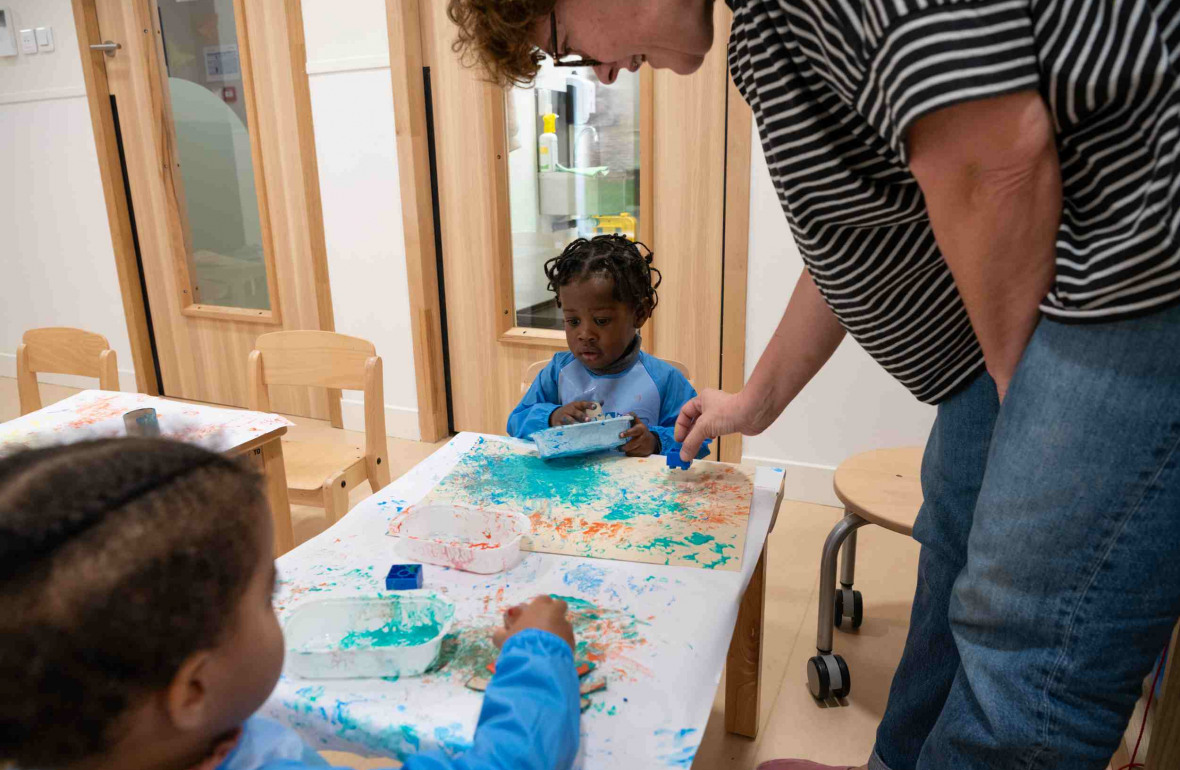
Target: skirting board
{"x":126,"y":376}
{"x":400,"y":422}
{"x":805,"y":482}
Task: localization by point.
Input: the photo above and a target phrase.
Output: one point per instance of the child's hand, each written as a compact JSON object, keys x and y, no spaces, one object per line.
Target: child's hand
{"x":571,"y":413}
{"x":544,"y":613}
{"x":643,"y":442}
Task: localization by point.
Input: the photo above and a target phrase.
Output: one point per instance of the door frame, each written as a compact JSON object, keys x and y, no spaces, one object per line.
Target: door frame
{"x":407,"y":61}
{"x":286,"y":26}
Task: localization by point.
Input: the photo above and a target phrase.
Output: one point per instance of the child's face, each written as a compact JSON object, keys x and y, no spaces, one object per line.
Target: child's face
{"x":598,"y":328}
{"x":244,"y":668}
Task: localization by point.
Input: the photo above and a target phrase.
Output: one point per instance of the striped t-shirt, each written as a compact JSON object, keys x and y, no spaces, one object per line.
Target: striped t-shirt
{"x":835,"y":84}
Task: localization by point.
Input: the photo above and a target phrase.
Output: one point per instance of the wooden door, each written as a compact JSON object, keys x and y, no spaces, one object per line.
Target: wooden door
{"x":211,"y":104}
{"x":681,"y":207}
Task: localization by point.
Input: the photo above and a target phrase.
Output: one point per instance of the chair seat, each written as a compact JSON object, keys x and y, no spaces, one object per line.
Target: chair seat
{"x":883,"y":487}
{"x":309,"y":464}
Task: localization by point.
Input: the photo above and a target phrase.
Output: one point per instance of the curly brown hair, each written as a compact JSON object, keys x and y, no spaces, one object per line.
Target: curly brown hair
{"x":494,"y":34}
{"x":118,"y":559}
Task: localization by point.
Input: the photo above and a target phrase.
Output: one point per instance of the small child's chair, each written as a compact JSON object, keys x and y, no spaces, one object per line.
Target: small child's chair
{"x":882,"y":487}
{"x":62,"y":350}
{"x":323,"y":474}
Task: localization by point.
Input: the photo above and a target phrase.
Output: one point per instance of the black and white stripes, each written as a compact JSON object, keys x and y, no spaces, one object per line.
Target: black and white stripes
{"x":835,"y":84}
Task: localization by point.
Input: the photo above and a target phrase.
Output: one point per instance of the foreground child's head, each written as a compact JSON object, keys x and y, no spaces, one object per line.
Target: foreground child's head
{"x":606,"y":289}
{"x":136,"y":626}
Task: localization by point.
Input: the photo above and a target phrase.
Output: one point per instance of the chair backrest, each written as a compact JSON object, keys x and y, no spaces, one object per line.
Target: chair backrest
{"x":62,"y":350}
{"x":678,"y":367}
{"x":321,"y":359}
{"x":530,"y":373}
{"x":532,"y":370}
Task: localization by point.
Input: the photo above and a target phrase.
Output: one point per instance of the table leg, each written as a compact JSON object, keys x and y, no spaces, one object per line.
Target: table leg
{"x":275,"y":473}
{"x":743,"y":665}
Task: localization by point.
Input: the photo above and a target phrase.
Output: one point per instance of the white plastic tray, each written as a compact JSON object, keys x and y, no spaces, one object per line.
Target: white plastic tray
{"x":466,"y":538}
{"x":581,"y":438}
{"x":395,"y":635}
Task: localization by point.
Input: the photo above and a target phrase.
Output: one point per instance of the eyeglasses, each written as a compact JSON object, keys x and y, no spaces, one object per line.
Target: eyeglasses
{"x":560,"y":60}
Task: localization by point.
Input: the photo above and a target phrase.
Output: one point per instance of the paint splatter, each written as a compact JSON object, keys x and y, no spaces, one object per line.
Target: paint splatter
{"x":392,"y":634}
{"x":679,"y":746}
{"x":587,"y":578}
{"x":609,"y":506}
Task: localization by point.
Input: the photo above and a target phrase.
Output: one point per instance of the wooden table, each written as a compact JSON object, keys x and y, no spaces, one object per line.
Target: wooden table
{"x":94,"y":414}
{"x":668,"y":631}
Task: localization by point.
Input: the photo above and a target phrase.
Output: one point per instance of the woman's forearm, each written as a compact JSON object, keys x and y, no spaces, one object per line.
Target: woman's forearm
{"x":992,"y":182}
{"x":805,"y":339}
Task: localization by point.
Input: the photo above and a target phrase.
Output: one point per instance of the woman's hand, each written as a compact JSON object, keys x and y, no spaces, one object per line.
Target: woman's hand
{"x":643,"y":442}
{"x":715,"y":413}
{"x":570,"y":414}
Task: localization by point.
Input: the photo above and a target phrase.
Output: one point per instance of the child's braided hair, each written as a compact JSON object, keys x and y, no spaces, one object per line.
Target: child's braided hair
{"x":635,"y":280}
{"x":118,"y":559}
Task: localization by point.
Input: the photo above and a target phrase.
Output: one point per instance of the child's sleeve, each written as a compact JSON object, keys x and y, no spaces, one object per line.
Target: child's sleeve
{"x":541,"y":400}
{"x":530,"y":714}
{"x":675,"y":392}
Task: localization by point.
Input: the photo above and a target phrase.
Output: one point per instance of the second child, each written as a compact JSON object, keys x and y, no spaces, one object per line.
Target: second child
{"x":606,"y":290}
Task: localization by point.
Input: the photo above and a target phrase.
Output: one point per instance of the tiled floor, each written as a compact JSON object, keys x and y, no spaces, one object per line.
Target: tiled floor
{"x":793,"y":724}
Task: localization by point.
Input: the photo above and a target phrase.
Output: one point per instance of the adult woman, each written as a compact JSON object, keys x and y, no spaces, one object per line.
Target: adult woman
{"x":985,"y":194}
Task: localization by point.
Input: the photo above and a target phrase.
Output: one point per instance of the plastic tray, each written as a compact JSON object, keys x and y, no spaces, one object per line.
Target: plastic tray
{"x":397,"y":635}
{"x":466,"y":538}
{"x":581,"y":438}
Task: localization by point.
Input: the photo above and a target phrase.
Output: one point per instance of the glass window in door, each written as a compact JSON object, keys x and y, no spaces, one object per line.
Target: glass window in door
{"x":573,"y":173}
{"x":218,"y":196}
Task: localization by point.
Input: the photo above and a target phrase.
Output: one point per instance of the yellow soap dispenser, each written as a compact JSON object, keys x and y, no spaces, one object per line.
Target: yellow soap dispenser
{"x":547,"y":144}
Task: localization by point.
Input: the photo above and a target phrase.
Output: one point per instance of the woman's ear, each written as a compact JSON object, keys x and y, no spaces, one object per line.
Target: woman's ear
{"x":187,"y":699}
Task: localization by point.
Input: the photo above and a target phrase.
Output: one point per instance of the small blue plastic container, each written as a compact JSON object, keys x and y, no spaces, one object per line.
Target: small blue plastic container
{"x":582,"y":438}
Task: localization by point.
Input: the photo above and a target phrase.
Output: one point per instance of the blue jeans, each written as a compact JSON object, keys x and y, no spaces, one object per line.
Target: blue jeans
{"x":1049,"y":577}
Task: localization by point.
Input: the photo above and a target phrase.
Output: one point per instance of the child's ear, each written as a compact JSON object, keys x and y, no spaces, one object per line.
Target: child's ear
{"x":641,"y":316}
{"x":187,"y":698}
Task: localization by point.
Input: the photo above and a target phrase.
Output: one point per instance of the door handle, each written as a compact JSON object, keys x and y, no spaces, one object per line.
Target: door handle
{"x":106,"y":47}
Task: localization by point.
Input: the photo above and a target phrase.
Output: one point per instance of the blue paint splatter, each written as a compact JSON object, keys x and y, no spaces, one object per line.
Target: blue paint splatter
{"x":681,"y":746}
{"x":586,"y":578}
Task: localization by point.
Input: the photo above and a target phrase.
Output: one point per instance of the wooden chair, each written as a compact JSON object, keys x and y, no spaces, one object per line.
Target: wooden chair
{"x":62,"y":350}
{"x":882,"y":487}
{"x":324,"y":474}
{"x":532,"y":370}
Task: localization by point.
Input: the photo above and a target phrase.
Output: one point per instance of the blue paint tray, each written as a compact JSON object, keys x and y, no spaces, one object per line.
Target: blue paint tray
{"x":582,"y":438}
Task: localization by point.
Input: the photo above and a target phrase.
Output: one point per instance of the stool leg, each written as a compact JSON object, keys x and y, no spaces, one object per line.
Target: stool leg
{"x":827,"y":578}
{"x":848,"y":560}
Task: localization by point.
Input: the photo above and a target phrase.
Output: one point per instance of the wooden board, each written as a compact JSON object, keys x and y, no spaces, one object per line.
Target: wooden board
{"x":609,"y":506}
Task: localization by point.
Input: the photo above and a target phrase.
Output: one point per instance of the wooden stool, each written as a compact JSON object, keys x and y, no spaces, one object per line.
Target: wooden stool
{"x":881,"y":487}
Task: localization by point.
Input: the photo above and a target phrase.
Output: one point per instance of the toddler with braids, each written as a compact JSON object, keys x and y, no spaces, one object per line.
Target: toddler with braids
{"x":606,"y":289}
{"x":137,"y":632}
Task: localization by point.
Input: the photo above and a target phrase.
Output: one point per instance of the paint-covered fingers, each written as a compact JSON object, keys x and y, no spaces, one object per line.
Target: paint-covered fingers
{"x":543,"y":613}
{"x":570,"y":414}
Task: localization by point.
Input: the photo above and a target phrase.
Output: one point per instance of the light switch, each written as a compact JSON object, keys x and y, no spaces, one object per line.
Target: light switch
{"x":45,"y":39}
{"x":28,"y":41}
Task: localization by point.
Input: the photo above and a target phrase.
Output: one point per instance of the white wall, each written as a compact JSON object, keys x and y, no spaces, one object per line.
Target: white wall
{"x":851,"y":406}
{"x":356,"y":149}
{"x":57,"y":266}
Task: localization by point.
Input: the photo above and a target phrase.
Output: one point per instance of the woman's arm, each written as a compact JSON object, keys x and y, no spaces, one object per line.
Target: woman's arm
{"x":805,"y":339}
{"x":992,"y":182}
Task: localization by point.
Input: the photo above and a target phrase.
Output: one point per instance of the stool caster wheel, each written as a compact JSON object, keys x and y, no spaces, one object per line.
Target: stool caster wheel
{"x":849,"y":605}
{"x":827,"y":677}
